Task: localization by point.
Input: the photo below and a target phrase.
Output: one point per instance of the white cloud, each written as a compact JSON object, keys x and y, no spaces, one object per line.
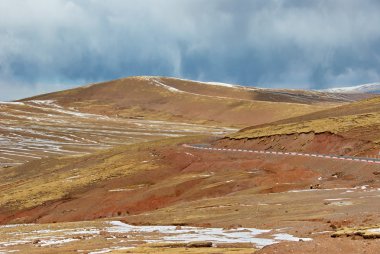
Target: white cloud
{"x":285,"y":42}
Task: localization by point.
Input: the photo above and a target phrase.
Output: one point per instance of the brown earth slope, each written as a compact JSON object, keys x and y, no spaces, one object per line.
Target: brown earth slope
{"x":183,"y":100}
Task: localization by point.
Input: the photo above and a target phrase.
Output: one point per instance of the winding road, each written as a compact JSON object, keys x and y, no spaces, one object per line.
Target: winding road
{"x":324,"y":156}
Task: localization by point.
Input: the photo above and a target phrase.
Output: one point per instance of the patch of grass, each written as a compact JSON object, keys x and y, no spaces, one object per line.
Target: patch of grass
{"x":370,"y":232}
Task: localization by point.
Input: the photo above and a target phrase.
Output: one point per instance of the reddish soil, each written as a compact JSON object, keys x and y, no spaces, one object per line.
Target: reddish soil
{"x":187,"y":175}
{"x":224,"y":189}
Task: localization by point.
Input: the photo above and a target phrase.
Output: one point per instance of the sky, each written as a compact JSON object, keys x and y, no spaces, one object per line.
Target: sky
{"x":49,"y":45}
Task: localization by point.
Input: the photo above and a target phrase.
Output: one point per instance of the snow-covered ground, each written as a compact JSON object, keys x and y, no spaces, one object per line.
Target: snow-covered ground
{"x":215,"y":235}
{"x":119,"y":235}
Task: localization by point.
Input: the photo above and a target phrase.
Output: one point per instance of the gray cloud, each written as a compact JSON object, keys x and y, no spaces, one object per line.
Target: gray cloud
{"x":47,"y":45}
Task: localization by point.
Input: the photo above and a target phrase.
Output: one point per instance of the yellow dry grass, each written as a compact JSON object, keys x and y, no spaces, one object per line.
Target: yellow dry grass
{"x":334,"y":125}
{"x":369,"y":232}
{"x":44,"y":180}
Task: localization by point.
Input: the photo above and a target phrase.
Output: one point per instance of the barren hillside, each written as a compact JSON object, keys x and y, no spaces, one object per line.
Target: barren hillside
{"x":191,"y":101}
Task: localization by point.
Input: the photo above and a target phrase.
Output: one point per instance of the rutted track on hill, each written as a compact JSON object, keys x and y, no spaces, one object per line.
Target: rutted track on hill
{"x":324,"y":156}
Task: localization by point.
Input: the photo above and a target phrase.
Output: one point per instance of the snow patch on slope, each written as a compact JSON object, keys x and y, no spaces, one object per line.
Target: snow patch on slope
{"x":221,"y":84}
{"x":157,"y":81}
{"x":365,"y":88}
{"x":170,"y":88}
{"x":216,"y":83}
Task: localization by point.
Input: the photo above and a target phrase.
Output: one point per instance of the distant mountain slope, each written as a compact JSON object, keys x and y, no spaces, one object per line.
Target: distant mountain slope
{"x":367,"y":106}
{"x":365,"y":88}
{"x":192,"y":101}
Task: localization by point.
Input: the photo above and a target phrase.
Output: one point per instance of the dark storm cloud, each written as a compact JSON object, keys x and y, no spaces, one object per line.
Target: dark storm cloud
{"x":47,"y":45}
